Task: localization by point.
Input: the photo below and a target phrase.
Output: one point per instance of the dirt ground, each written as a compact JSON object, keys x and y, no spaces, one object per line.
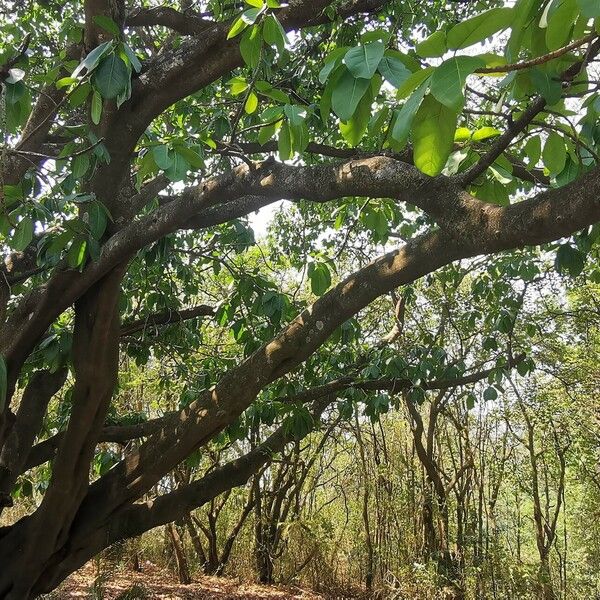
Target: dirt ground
{"x":162,"y":585}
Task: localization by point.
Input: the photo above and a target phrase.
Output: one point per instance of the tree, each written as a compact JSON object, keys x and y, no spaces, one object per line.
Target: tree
{"x":134,"y":146}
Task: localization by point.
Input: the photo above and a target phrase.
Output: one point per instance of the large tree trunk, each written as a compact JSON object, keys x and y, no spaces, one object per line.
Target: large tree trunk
{"x":27,"y":547}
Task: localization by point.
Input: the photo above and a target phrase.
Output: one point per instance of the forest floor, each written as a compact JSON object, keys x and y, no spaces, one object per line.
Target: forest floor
{"x":161,"y":584}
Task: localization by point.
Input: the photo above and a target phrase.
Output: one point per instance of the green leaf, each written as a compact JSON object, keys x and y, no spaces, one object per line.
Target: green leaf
{"x":393,"y":70}
{"x":479,"y":28}
{"x":23,"y":234}
{"x":96,"y":108}
{"x":299,"y":137}
{"x":363,"y":61}
{"x":274,"y":34}
{"x":560,"y":23}
{"x":191,"y":156}
{"x":320,"y":278}
{"x":331,"y":62}
{"x":276,"y":95}
{"x":266,"y":133}
{"x":555,"y":153}
{"x":407,"y":113}
{"x":484,"y":133}
{"x":470,"y":401}
{"x":238,"y":26}
{"x":251,"y":103}
{"x":250,"y":46}
{"x":490,"y":394}
{"x":133,"y":59}
{"x":284,"y":143}
{"x":178,"y":169}
{"x":569,"y":260}
{"x":96,"y":219}
{"x":92,"y":59}
{"x":255,"y":3}
{"x":76,"y":253}
{"x":524,"y":13}
{"x":107,"y":24}
{"x":249,"y":16}
{"x":571,"y":171}
{"x":433,"y":46}
{"x":433,"y":135}
{"x":547,"y":85}
{"x":448,"y":80}
{"x":533,"y":151}
{"x":80,"y":165}
{"x":14,"y":92}
{"x":413,"y":82}
{"x":79,"y":95}
{"x":162,"y":157}
{"x":347,"y":93}
{"x":354,"y":129}
{"x":3,"y":383}
{"x":589,"y":8}
{"x":237,"y":85}
{"x":111,"y":77}
{"x":295,"y":114}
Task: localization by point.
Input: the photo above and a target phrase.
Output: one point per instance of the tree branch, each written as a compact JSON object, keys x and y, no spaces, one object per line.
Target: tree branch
{"x":183,"y":23}
{"x":166,"y":318}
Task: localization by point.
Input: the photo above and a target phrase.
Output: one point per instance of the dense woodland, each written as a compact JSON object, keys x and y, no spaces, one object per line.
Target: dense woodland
{"x":301,"y":293}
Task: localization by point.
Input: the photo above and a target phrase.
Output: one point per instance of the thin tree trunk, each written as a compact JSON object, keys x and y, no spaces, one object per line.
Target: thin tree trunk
{"x":183,"y":571}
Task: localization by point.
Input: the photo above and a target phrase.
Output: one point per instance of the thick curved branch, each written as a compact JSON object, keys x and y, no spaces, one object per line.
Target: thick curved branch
{"x":183,"y":23}
{"x":475,"y":227}
{"x":476,"y":230}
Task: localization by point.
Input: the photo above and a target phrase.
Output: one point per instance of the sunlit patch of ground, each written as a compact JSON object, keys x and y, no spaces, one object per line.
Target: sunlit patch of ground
{"x":161,"y":584}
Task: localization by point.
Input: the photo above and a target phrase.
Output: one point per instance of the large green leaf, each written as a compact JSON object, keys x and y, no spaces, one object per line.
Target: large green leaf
{"x":569,"y":260}
{"x":524,"y":14}
{"x":448,"y":80}
{"x":111,"y":77}
{"x":363,"y":61}
{"x":320,"y":278}
{"x":92,"y":59}
{"x":547,"y":84}
{"x":413,"y":82}
{"x":560,"y":20}
{"x":354,"y":129}
{"x":393,"y":69}
{"x":433,"y":46}
{"x":331,"y":62}
{"x":23,"y":234}
{"x":96,"y":109}
{"x":554,"y":153}
{"x":250,"y":46}
{"x":433,"y":135}
{"x":589,"y":8}
{"x":479,"y":28}
{"x":274,"y":34}
{"x":405,"y":117}
{"x":284,"y":142}
{"x":347,"y":93}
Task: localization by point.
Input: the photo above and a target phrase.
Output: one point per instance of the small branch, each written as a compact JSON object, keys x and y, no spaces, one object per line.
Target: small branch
{"x":167,"y":318}
{"x":540,"y":60}
{"x":516,"y":127}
